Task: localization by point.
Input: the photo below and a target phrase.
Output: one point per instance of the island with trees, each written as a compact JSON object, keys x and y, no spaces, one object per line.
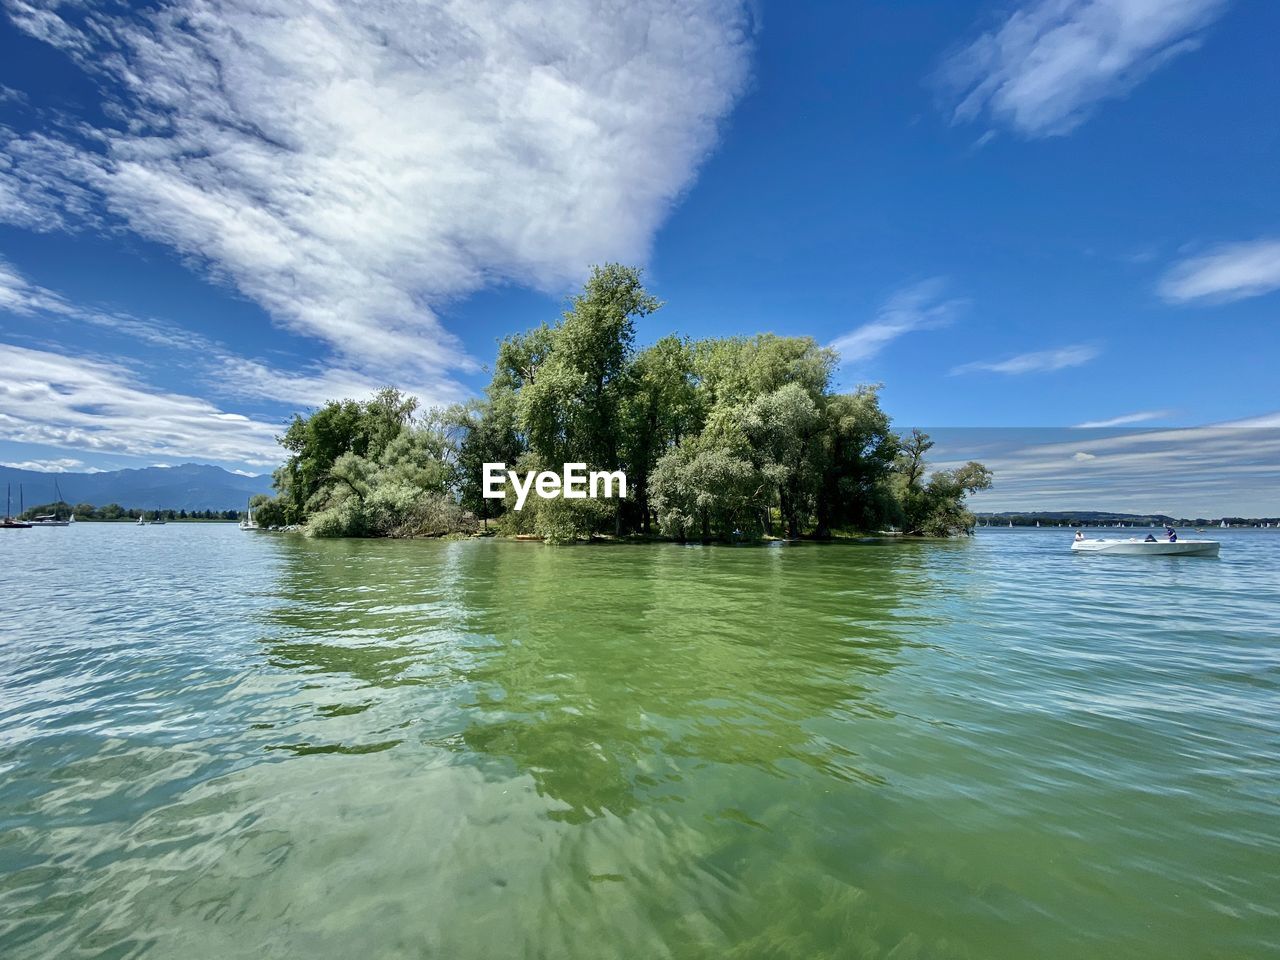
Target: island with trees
{"x":723,"y":439}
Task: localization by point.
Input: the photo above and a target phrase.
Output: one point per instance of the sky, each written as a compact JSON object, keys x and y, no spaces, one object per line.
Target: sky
{"x":1050,"y":228}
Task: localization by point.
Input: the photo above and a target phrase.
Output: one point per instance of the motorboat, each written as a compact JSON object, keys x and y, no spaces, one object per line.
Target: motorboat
{"x":1135,"y":547}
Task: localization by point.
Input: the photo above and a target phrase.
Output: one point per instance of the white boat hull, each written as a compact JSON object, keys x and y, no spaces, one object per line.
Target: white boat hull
{"x":1135,"y":547}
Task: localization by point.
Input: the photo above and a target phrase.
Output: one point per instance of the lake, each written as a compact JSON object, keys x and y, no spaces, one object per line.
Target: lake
{"x":220,"y":744}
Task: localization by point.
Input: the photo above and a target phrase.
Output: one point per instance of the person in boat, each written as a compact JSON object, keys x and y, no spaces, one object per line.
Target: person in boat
{"x":1172,"y":534}
{"x":1079,"y":535}
{"x":1150,"y":538}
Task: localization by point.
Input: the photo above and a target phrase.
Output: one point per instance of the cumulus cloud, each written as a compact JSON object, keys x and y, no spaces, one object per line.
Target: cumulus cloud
{"x":354,"y":166}
{"x":1041,"y":361}
{"x":100,"y":406}
{"x":920,"y":307}
{"x":1050,"y":62}
{"x":1232,"y":271}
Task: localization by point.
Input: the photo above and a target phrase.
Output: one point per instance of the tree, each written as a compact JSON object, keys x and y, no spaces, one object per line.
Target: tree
{"x":484,"y":432}
{"x":936,"y":508}
{"x":570,"y":407}
{"x":709,"y":487}
{"x":858,"y":449}
{"x":661,"y":407}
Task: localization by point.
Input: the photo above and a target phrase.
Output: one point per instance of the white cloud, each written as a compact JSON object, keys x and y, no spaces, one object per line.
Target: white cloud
{"x":61,"y":465}
{"x":1233,"y":271}
{"x":100,"y":406}
{"x":916,"y":308}
{"x":1083,"y":457}
{"x":1041,"y":361}
{"x":1124,"y":420}
{"x":354,"y":167}
{"x":1050,"y":62}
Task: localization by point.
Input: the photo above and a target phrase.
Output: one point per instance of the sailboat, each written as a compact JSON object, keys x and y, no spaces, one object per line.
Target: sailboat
{"x":158,"y":519}
{"x":249,"y":523}
{"x":53,"y":519}
{"x":10,"y":522}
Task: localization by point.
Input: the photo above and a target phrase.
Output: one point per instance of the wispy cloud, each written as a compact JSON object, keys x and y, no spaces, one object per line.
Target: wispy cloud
{"x":224,"y":372}
{"x":1232,"y":271}
{"x":1050,"y":62}
{"x":101,"y":406}
{"x":1141,"y":416}
{"x":354,"y":167}
{"x":920,"y":307}
{"x":1041,"y":361}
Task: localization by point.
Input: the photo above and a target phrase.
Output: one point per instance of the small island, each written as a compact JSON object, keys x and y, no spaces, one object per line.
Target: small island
{"x":735,"y":439}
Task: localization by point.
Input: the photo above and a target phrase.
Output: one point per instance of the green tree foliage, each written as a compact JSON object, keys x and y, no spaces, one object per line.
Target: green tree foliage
{"x":721,"y":439}
{"x":369,"y":468}
{"x":934,"y":508}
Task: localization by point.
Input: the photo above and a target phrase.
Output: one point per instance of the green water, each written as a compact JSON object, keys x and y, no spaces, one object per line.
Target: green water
{"x":216,"y":744}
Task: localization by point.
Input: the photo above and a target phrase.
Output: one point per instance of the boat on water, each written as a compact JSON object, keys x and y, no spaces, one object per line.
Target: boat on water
{"x":54,"y":519}
{"x":1135,"y":547}
{"x":11,"y":522}
{"x":248,"y":523}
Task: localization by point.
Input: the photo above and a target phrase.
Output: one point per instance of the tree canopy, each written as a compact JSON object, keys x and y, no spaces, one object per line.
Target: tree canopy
{"x":736,"y":438}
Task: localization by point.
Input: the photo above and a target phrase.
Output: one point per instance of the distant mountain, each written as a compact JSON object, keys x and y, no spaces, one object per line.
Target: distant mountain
{"x":191,"y":486}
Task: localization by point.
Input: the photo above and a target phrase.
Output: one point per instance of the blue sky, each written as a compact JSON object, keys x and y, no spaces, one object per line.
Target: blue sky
{"x":1032,"y":214}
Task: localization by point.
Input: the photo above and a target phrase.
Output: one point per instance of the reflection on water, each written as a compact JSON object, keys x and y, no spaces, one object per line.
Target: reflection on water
{"x":602,"y":673}
{"x":221,"y":744}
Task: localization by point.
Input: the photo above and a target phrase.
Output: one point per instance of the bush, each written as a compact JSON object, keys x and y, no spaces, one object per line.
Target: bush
{"x":565,"y":521}
{"x":344,"y":520}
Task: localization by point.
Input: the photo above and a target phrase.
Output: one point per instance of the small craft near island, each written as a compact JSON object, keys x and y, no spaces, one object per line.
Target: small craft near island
{"x":1169,"y":546}
{"x":55,"y":519}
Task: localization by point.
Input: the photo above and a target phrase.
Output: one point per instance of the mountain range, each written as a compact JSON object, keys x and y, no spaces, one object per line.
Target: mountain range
{"x":190,"y":486}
